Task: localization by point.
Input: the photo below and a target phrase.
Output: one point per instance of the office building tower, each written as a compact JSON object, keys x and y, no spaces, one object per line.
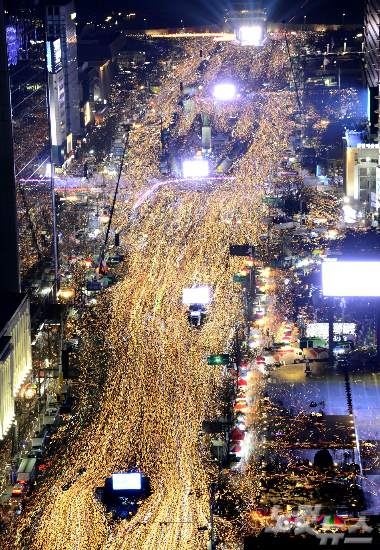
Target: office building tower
{"x":19,"y":163}
{"x":371,"y":60}
{"x":27,"y":143}
{"x":371,"y":41}
{"x":62,"y":67}
{"x":15,"y":353}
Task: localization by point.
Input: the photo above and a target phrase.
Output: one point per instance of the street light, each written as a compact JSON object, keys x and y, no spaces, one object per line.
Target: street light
{"x":304,"y":22}
{"x":343,"y":18}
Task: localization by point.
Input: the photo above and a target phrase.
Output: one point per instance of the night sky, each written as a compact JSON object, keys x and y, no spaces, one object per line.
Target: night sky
{"x":201,"y":12}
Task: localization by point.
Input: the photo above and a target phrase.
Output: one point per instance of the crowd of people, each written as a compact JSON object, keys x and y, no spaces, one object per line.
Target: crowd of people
{"x":157,"y":387}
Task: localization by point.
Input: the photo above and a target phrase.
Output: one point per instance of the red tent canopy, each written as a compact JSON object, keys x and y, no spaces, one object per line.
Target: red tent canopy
{"x":236,"y":433}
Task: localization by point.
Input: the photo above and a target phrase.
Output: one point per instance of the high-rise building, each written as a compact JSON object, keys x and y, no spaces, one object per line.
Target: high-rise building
{"x":371,"y":60}
{"x":360,"y":160}
{"x":371,"y":41}
{"x":23,"y":158}
{"x":62,"y":65}
{"x":26,"y":166}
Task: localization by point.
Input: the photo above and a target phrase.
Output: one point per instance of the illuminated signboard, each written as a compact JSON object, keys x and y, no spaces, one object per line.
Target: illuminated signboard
{"x":321,"y":330}
{"x":69,"y":143}
{"x":250,"y":36}
{"x":351,"y":279}
{"x":126,"y":481}
{"x":53,"y":55}
{"x":200,"y":295}
{"x":87,"y":113}
{"x":195,"y":168}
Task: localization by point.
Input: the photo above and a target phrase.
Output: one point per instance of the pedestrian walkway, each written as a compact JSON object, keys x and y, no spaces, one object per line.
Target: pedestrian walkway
{"x":326,"y":387}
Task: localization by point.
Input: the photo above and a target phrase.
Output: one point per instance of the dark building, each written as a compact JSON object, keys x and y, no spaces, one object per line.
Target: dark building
{"x":100,"y":49}
{"x":26,"y":162}
{"x":88,"y":78}
{"x":371,"y":61}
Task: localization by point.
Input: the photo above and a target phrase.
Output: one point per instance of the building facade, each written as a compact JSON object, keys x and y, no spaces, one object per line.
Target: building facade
{"x":15,"y":353}
{"x":25,"y":78}
{"x":371,"y":60}
{"x":238,"y":15}
{"x":62,"y":66}
{"x":360,"y":180}
{"x":371,"y":41}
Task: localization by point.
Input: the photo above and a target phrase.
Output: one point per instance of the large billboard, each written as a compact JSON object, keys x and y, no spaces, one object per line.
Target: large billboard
{"x":126,"y":481}
{"x":250,"y":36}
{"x":53,"y":56}
{"x":199,"y":295}
{"x":351,"y":278}
{"x":195,"y":168}
{"x":321,"y":330}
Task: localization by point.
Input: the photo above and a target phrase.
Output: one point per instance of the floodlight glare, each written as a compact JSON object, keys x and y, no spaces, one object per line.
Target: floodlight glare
{"x":200,"y":295}
{"x":250,"y":36}
{"x":351,"y":278}
{"x":126,"y":481}
{"x":224,"y":91}
{"x":195,"y":168}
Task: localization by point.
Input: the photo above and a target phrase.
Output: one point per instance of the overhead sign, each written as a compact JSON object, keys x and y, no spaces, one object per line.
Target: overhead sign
{"x":351,"y":278}
{"x":240,"y":278}
{"x":242,"y":250}
{"x":221,"y":359}
{"x":270,"y":200}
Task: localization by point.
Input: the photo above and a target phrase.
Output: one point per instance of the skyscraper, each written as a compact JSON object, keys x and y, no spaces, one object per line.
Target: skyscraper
{"x":27,"y":77}
{"x":371,"y":60}
{"x":371,"y":41}
{"x":63,"y":76}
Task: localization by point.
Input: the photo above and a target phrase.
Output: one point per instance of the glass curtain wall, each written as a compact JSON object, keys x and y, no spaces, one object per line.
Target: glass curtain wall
{"x":28,"y":80}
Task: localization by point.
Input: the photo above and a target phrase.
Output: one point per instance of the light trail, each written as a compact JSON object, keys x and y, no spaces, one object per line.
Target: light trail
{"x":151,"y":190}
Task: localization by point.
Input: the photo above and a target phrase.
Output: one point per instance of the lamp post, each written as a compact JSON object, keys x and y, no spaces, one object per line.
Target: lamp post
{"x":343,"y":18}
{"x":304,"y":22}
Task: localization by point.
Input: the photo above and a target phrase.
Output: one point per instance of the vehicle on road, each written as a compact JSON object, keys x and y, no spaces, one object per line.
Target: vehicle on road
{"x":26,"y":473}
{"x":284,"y":355}
{"x":316,"y":354}
{"x":38,"y":447}
{"x":20,"y":490}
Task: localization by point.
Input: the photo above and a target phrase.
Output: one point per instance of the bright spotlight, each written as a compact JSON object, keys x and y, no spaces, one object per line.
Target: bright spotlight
{"x":200,"y":295}
{"x":224,"y":91}
{"x":195,"y":168}
{"x":250,"y":36}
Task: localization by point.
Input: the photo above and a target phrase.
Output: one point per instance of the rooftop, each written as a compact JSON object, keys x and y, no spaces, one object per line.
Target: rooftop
{"x":10,"y":302}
